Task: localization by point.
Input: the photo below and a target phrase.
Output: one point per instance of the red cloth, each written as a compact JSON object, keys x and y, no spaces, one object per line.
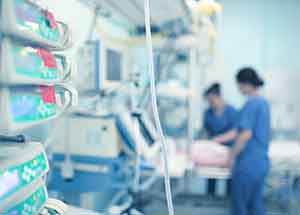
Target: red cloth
{"x":48,"y":58}
{"x":209,"y":154}
{"x":48,"y":94}
{"x":52,"y":20}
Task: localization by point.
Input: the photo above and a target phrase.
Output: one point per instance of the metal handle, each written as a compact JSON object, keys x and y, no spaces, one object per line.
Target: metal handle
{"x":66,"y":40}
{"x":70,"y":97}
{"x":67,"y":67}
{"x":13,"y":139}
{"x":57,"y":205}
{"x":116,"y":208}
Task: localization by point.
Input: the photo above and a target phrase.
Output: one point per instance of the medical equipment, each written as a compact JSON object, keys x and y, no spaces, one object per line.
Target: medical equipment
{"x":116,"y":208}
{"x":27,"y":21}
{"x":20,"y":166}
{"x":89,"y":61}
{"x":93,"y":169}
{"x":33,"y":91}
{"x":147,"y":128}
{"x":29,"y":201}
{"x":95,"y":136}
{"x":154,"y":106}
{"x":25,"y":106}
{"x":13,"y":139}
{"x":147,"y":139}
{"x":140,"y":143}
{"x":56,"y":207}
{"x":114,"y":65}
{"x":103,"y":65}
{"x":100,"y":177}
{"x":67,"y":168}
{"x":127,"y":133}
{"x":286,"y":160}
{"x":205,"y":7}
{"x":149,"y":145}
{"x":174,"y":117}
{"x":29,"y":65}
{"x":149,"y":151}
{"x":137,"y":176}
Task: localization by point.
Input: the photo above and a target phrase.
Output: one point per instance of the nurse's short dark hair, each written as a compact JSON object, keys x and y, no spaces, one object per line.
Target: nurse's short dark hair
{"x":214,"y":89}
{"x":248,"y":75}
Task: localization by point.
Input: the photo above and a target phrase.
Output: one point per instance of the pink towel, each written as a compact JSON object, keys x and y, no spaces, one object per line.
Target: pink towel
{"x":209,"y":154}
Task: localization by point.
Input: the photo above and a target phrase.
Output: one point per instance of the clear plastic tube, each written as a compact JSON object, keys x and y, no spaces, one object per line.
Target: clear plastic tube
{"x":155,"y":109}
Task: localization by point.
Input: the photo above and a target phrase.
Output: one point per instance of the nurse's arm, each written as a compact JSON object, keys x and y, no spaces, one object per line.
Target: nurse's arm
{"x":226,"y":137}
{"x":241,"y":142}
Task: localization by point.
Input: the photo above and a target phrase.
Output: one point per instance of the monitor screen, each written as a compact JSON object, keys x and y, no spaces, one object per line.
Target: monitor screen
{"x":114,"y":62}
{"x":30,"y":105}
{"x":31,"y":205}
{"x":8,"y":182}
{"x":34,"y":63}
{"x":31,"y":18}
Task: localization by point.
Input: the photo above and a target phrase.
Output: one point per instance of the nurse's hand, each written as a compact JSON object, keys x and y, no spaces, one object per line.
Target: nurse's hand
{"x":216,"y":140}
{"x":230,"y":161}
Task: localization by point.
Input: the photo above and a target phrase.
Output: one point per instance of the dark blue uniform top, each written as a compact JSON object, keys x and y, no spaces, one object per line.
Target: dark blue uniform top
{"x":255,"y":116}
{"x":215,"y":124}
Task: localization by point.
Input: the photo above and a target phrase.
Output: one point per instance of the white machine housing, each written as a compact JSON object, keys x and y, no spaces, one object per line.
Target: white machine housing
{"x":9,"y":26}
{"x":88,"y":136}
{"x":18,"y":154}
{"x":23,"y":196}
{"x":7,"y":124}
{"x":8,"y":74}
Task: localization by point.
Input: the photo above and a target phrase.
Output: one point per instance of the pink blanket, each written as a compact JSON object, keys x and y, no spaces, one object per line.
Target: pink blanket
{"x":204,"y":153}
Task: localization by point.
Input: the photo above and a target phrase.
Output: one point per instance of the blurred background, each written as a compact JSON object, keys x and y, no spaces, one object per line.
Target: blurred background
{"x":103,"y":142}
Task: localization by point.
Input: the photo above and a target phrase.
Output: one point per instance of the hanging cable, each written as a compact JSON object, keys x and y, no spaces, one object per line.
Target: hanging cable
{"x":155,"y":108}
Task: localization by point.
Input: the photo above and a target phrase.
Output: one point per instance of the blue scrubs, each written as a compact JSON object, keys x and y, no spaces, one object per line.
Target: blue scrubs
{"x":252,"y":164}
{"x":216,"y":125}
{"x":219,"y":124}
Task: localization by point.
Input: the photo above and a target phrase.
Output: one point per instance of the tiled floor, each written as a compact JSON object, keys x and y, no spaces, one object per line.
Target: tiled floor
{"x":153,"y":203}
{"x":196,"y":206}
{"x":184,"y":210}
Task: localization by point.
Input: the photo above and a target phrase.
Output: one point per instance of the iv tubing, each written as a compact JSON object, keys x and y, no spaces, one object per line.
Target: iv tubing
{"x":155,"y":109}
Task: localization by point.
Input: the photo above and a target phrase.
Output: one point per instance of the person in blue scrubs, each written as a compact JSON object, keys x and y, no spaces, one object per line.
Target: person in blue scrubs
{"x":219,"y":123}
{"x":249,"y":155}
{"x":220,"y":118}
